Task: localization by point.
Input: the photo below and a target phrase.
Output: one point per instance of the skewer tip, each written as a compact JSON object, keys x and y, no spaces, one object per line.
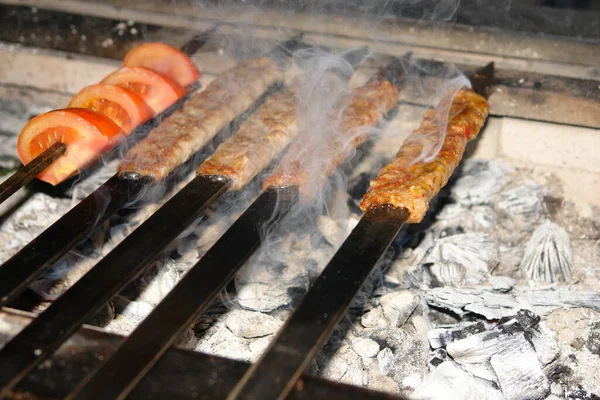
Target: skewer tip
{"x":483,"y":79}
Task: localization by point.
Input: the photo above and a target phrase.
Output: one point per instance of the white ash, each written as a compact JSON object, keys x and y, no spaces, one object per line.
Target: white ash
{"x":335,"y":232}
{"x":450,"y":382}
{"x":477,"y":253}
{"x":34,"y":215}
{"x":490,"y":304}
{"x":479,"y":181}
{"x":248,"y":324}
{"x":548,"y":256}
{"x":522,"y":204}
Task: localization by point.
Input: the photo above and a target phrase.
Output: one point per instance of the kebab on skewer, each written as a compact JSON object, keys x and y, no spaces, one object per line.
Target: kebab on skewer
{"x":400,"y":193}
{"x":57,"y":144}
{"x":169,"y":145}
{"x":365,"y":108}
{"x":276,"y":117}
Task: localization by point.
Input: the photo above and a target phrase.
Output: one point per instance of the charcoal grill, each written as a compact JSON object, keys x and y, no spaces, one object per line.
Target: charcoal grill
{"x":546,"y":74}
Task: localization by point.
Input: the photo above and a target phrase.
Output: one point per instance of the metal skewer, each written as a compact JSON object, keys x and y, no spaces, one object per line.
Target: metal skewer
{"x":39,"y":255}
{"x":193,"y":294}
{"x":58,"y":322}
{"x":26,"y":173}
{"x":313,"y":320}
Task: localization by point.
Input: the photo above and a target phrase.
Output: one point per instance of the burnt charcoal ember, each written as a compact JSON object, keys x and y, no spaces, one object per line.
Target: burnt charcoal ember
{"x":512,"y":354}
{"x":522,"y":204}
{"x":335,"y":231}
{"x":399,"y":306}
{"x":450,"y":382}
{"x":263,"y":297}
{"x":135,"y":311}
{"x":478,"y":253}
{"x":548,"y":256}
{"x":32,"y":216}
{"x":440,"y":337}
{"x":249,"y":324}
{"x":494,"y":305}
{"x":479,"y":181}
{"x":448,"y":273}
{"x":593,"y":341}
{"x":502,"y":283}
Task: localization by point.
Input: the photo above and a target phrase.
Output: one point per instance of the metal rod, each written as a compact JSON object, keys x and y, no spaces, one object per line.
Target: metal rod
{"x":26,"y":173}
{"x":59,"y":321}
{"x":45,"y":250}
{"x":117,"y":377}
{"x":313,"y":320}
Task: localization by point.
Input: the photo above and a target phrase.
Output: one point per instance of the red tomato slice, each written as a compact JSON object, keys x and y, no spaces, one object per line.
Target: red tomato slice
{"x":123,"y":106}
{"x":86,"y":133}
{"x":158,"y":91}
{"x":165,"y":60}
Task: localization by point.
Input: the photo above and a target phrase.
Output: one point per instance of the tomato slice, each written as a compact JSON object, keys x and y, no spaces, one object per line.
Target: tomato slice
{"x":165,"y":60}
{"x":86,"y":133}
{"x":126,"y":108}
{"x":158,"y":91}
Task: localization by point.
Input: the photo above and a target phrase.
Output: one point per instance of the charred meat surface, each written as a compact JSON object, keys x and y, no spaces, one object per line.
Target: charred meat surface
{"x":409,"y":181}
{"x":260,"y":138}
{"x":186,"y":131}
{"x":365,"y":108}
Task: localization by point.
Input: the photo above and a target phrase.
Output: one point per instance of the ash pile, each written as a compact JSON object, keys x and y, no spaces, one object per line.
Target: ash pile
{"x":495,"y":295}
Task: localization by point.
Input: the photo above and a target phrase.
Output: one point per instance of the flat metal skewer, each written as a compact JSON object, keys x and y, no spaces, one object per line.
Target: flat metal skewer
{"x":192,"y":295}
{"x":302,"y":336}
{"x":297,"y":343}
{"x":26,"y":173}
{"x":58,"y":322}
{"x":46,"y":249}
{"x":137,"y":355}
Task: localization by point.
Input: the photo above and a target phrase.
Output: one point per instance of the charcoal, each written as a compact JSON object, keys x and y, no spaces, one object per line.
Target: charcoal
{"x":449,"y":273}
{"x":493,"y":305}
{"x":365,"y":347}
{"x":249,"y":324}
{"x":522,"y":204}
{"x":398,"y":306}
{"x":262,"y":297}
{"x":33,"y":216}
{"x":385,"y":358}
{"x":374,"y":318}
{"x":479,"y":181}
{"x":593,"y":341}
{"x":450,"y":382}
{"x":220,"y":341}
{"x":547,"y":256}
{"x":478,"y":253}
{"x":382,"y":383}
{"x":519,"y":373}
{"x":502,"y":283}
{"x":441,"y":337}
{"x":133,"y":310}
{"x":155,"y":289}
{"x":335,"y":231}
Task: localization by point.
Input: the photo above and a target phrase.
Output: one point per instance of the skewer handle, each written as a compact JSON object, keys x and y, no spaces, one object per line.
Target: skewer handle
{"x":412,"y":178}
{"x":26,"y":173}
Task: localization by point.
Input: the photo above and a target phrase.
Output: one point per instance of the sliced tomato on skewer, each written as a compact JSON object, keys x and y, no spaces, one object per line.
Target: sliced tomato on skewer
{"x":165,"y":60}
{"x":126,"y":108}
{"x":86,"y":133}
{"x":158,"y":91}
